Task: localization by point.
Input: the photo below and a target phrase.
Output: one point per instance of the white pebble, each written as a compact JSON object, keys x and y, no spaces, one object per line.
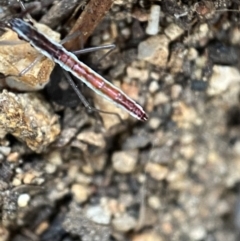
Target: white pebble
{"x":153,"y":20}
{"x":153,"y":87}
{"x":23,"y":200}
{"x":50,"y":168}
{"x":98,"y":215}
{"x":154,"y":123}
{"x":222,"y":78}
{"x":5,"y":150}
{"x":125,"y":32}
{"x":197,"y":233}
{"x":154,"y":202}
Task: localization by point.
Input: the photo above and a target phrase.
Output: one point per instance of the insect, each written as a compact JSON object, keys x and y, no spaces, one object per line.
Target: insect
{"x":69,"y":62}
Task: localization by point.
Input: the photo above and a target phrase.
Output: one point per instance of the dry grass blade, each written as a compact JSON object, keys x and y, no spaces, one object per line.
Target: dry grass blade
{"x":91,"y":16}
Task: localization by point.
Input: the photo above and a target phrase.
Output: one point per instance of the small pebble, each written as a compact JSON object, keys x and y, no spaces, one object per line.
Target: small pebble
{"x":154,"y":123}
{"x":50,"y":168}
{"x":156,"y":171}
{"x":124,"y":223}
{"x":98,"y":162}
{"x":88,"y":169}
{"x":5,"y":150}
{"x":73,"y":171}
{"x":92,"y":138}
{"x":154,"y":50}
{"x":184,"y":115}
{"x":148,"y":236}
{"x":135,"y":73}
{"x":65,"y":136}
{"x":80,"y":192}
{"x":155,"y":75}
{"x":39,"y":181}
{"x":125,"y":32}
{"x":16,"y":182}
{"x":13,"y":157}
{"x":42,"y":227}
{"x":140,"y":140}
{"x":55,"y":158}
{"x":109,"y":121}
{"x":197,"y":233}
{"x":28,"y":178}
{"x":187,"y":151}
{"x":105,"y":36}
{"x":77,"y":224}
{"x":236,"y":147}
{"x":161,"y":155}
{"x":173,"y":31}
{"x":82,"y":178}
{"x":192,"y":54}
{"x":141,"y":16}
{"x":116,"y":207}
{"x":98,"y":215}
{"x":235,"y":36}
{"x":154,"y":202}
{"x":176,"y":90}
{"x":23,"y":200}
{"x":222,"y":78}
{"x":125,"y":161}
{"x":153,"y":20}
{"x":160,"y":98}
{"x":153,"y":87}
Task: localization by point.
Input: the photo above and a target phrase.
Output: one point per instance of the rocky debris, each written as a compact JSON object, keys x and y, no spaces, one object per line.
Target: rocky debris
{"x":124,"y":223}
{"x":125,"y":161}
{"x":80,"y":192}
{"x":173,"y":31}
{"x":222,"y":78}
{"x":156,"y":171}
{"x":155,"y":50}
{"x":153,"y":20}
{"x":11,"y":64}
{"x":23,"y":200}
{"x":77,"y":223}
{"x":29,"y":118}
{"x":98,"y":215}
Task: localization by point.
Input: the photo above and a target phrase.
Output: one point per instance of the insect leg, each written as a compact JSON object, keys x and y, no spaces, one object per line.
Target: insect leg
{"x":83,"y":99}
{"x":29,"y":67}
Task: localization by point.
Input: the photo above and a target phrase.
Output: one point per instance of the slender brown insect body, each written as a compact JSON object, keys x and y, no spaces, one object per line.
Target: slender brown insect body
{"x":69,"y":62}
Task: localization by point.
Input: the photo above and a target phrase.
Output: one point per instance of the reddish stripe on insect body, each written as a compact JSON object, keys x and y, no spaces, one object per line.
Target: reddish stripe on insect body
{"x":101,"y":85}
